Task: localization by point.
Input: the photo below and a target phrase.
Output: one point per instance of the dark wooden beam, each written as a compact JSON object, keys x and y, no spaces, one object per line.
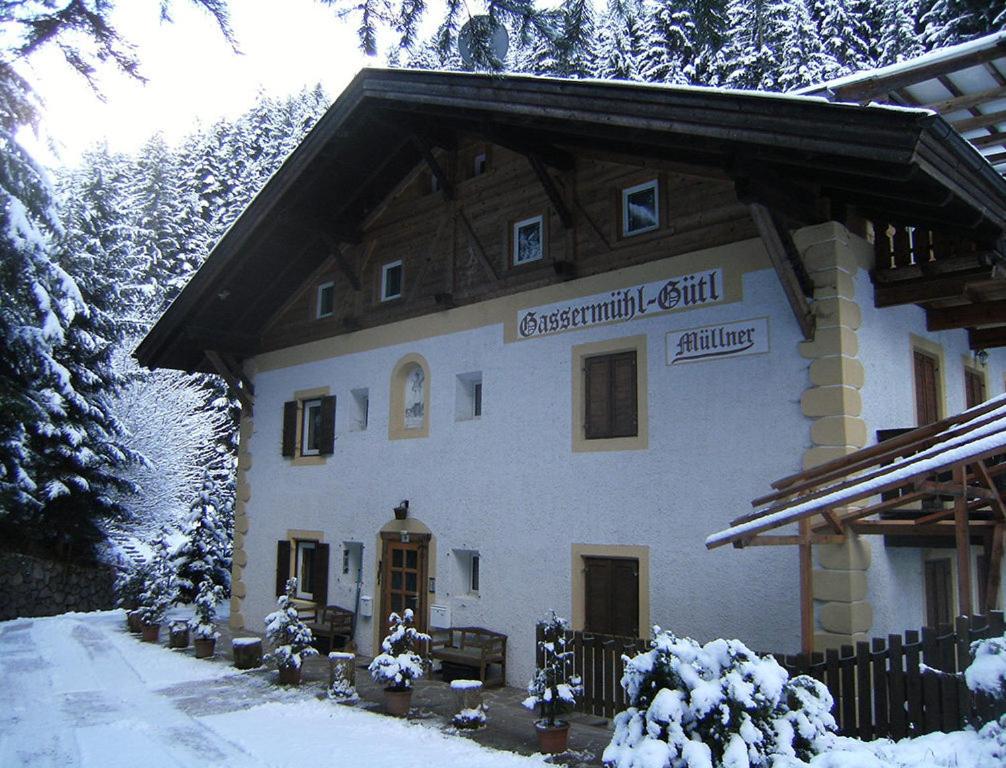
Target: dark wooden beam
{"x":475,"y":245}
{"x":987,"y":338}
{"x":994,"y":563}
{"x":231,"y":341}
{"x":554,"y":195}
{"x":544,"y":150}
{"x":446,"y":188}
{"x":966,"y":315}
{"x":996,"y":159}
{"x":967,"y":100}
{"x":233,"y":382}
{"x":909,"y":528}
{"x":952,"y":286}
{"x":990,"y":140}
{"x":314,"y":225}
{"x":235,"y":365}
{"x":806,"y":589}
{"x":981,"y":472}
{"x":786,"y":262}
{"x":956,"y":490}
{"x":783,"y":540}
{"x":981,"y":121}
{"x":962,"y":539}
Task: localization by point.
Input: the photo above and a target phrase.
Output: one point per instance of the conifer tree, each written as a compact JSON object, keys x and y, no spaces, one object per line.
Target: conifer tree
{"x":845,"y":35}
{"x":947,"y":22}
{"x":668,"y":53}
{"x":620,"y":41}
{"x":898,"y":39}
{"x":204,"y":553}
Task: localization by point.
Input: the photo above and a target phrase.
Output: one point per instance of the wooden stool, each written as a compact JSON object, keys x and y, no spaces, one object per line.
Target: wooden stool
{"x":247,"y":652}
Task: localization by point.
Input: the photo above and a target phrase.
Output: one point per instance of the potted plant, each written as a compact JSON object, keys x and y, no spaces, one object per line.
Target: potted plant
{"x":553,"y":690}
{"x":289,"y":637}
{"x":399,"y":663}
{"x":201,"y":624}
{"x":129,"y":583}
{"x":158,"y":593}
{"x":178,"y":634}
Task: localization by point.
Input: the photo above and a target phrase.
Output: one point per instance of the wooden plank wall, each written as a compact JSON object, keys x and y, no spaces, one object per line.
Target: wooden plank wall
{"x":430,"y":235}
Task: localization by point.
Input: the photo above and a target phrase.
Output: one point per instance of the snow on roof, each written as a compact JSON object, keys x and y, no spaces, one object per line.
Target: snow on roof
{"x":974,"y":437}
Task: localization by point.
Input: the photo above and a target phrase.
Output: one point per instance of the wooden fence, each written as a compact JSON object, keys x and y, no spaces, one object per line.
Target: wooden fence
{"x":901,"y":686}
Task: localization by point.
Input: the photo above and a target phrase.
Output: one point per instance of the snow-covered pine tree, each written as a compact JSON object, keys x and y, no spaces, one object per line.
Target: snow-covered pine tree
{"x":204,"y":553}
{"x":947,"y":22}
{"x":899,"y":39}
{"x":668,"y":53}
{"x":289,"y":637}
{"x":620,"y":41}
{"x":845,"y":35}
{"x":802,"y":58}
{"x":202,"y":623}
{"x":159,"y":591}
{"x":747,"y":60}
{"x":568,"y":51}
{"x":709,"y":18}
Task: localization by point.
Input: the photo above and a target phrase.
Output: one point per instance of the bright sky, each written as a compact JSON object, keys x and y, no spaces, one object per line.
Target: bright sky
{"x":194,"y":77}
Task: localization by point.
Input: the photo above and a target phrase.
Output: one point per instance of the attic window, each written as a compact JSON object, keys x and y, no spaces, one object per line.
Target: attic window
{"x":527,"y":240}
{"x":391,"y":281}
{"x":480,"y":164}
{"x":640,"y":208}
{"x":326,"y":300}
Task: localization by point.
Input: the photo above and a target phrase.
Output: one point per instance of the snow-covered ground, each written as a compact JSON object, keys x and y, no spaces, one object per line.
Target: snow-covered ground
{"x":75,"y":690}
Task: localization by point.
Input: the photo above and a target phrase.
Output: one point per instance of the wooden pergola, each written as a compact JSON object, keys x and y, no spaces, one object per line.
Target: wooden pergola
{"x":937,"y":483}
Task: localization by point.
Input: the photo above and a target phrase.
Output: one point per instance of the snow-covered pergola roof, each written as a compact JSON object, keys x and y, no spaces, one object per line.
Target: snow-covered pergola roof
{"x":965,"y":83}
{"x":899,"y":487}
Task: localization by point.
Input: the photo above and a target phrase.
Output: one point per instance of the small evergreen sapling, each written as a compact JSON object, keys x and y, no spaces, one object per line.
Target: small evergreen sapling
{"x":159,"y":592}
{"x":207,"y":598}
{"x":289,"y":637}
{"x":553,"y":690}
{"x":399,"y":664}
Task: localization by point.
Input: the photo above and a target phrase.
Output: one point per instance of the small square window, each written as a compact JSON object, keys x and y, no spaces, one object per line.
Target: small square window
{"x":528,"y":242}
{"x":311,"y":428}
{"x":640,"y":208}
{"x":468,"y":402}
{"x":391,"y":281}
{"x":304,"y":569}
{"x":480,"y":164}
{"x":610,"y":388}
{"x":326,"y":300}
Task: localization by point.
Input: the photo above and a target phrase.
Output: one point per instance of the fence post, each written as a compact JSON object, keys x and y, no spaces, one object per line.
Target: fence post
{"x":881,"y":726}
{"x":864,"y":713}
{"x":930,"y":682}
{"x":913,"y":680}
{"x":847,"y":662}
{"x":896,"y":676}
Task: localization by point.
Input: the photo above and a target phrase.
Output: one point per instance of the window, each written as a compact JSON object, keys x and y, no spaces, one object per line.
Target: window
{"x":409,"y":402}
{"x":528,"y":240}
{"x":467,"y":565}
{"x":611,"y":602}
{"x":474,"y":572}
{"x":311,"y":428}
{"x":304,"y":565}
{"x":640,"y":208}
{"x":939,"y":593}
{"x":391,"y":281}
{"x":480,"y":164}
{"x":610,"y":389}
{"x":361,"y":404}
{"x":468,"y":400}
{"x":326,"y":300}
{"x":974,"y":387}
{"x":927,"y":407}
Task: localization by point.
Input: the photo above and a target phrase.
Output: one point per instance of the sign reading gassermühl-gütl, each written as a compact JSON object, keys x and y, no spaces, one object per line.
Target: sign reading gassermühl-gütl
{"x":710,"y":342}
{"x":682,"y":292}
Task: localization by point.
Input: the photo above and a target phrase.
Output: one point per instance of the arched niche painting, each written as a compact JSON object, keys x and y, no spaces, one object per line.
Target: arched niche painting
{"x":412,"y":397}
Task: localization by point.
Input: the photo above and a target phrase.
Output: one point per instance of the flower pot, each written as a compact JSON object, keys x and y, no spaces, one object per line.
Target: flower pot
{"x":133,"y":622}
{"x":204,"y":646}
{"x":151,"y":633}
{"x":178,"y":637}
{"x":397,"y":701}
{"x":554,"y":739}
{"x":289,"y":675}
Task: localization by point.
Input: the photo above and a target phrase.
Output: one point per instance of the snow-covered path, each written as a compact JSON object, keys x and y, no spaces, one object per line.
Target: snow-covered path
{"x":76,"y":690}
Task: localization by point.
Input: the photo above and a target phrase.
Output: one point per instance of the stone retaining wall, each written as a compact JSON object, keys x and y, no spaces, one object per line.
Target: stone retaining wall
{"x":35,"y":587}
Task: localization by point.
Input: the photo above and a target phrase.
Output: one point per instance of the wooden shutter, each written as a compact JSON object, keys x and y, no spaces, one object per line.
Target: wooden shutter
{"x":926,"y":391}
{"x":939,"y":599}
{"x":282,"y":566}
{"x":326,"y":429}
{"x":290,"y":428}
{"x":974,"y":388}
{"x":625,"y":598}
{"x":597,"y":388}
{"x":319,"y":573}
{"x":597,"y":600}
{"x":623,"y":395}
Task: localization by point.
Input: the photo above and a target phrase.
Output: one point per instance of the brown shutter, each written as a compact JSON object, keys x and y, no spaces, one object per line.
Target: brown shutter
{"x":938,"y":595}
{"x":926,"y":393}
{"x":623,"y":395}
{"x":597,"y":388}
{"x":326,"y":430}
{"x":290,"y":428}
{"x":597,"y":600}
{"x":319,"y":573}
{"x":282,"y":566}
{"x":625,"y":598}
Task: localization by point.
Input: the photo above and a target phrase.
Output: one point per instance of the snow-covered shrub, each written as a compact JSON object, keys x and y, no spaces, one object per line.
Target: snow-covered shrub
{"x":204,"y":553}
{"x":159,"y":589}
{"x":399,"y":663}
{"x":289,"y":637}
{"x":470,"y":719}
{"x":554,"y":689}
{"x":130,"y":580}
{"x":207,"y":598}
{"x":987,"y":671}
{"x":712,"y":706}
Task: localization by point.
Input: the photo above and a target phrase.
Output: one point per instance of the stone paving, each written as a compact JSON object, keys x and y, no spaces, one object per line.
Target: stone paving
{"x":509,"y":725}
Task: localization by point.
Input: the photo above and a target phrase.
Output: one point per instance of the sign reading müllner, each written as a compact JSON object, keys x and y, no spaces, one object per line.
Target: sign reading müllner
{"x":624,"y":304}
{"x":745,"y":337}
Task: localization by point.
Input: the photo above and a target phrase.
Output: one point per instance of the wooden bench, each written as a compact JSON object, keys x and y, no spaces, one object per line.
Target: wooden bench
{"x":329,"y":623}
{"x":461,"y":650}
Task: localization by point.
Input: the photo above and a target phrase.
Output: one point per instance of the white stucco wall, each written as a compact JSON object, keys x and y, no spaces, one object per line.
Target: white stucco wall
{"x":885,"y":348}
{"x":509,"y":485}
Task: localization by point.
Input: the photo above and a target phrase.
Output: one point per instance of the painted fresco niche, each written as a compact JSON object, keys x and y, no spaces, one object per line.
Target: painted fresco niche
{"x":410,"y":398}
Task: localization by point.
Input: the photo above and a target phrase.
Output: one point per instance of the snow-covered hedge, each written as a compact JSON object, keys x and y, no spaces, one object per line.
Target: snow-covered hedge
{"x":399,"y":664}
{"x":987,"y":671}
{"x":715,"y":706}
{"x":289,"y":637}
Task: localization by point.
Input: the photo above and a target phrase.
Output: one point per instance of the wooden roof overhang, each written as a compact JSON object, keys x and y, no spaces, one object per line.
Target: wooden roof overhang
{"x":781,"y":151}
{"x":938,"y":482}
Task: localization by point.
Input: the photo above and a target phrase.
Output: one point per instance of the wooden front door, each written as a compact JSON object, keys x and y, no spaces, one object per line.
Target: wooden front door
{"x":404,"y":577}
{"x":612,"y":596}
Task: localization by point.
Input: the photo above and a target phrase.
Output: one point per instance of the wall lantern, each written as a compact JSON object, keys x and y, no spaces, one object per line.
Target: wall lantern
{"x":402,"y":510}
{"x":982,"y":357}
